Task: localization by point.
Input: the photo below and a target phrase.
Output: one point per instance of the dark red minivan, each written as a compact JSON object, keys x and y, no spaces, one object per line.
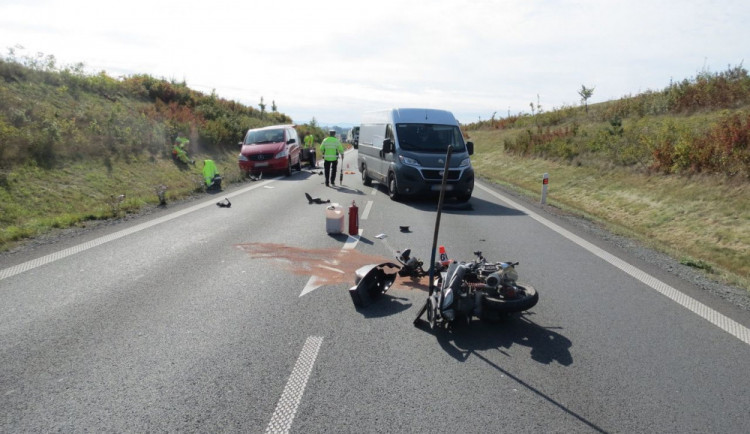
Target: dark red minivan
{"x":270,"y":149}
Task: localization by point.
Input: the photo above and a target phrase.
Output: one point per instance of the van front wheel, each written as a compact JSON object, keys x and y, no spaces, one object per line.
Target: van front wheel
{"x":366,"y":180}
{"x":392,"y":188}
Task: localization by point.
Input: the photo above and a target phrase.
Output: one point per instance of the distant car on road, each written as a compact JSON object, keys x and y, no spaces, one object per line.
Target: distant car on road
{"x":270,"y":149}
{"x":353,"y":137}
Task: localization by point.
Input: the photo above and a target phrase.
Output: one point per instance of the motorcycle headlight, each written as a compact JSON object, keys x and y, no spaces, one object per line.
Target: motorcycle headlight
{"x":510,"y":274}
{"x":493,"y":280}
{"x":409,"y":161}
{"x":281,"y":154}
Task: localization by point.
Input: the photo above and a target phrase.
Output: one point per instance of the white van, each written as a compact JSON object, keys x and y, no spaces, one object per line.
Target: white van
{"x":405,"y":149}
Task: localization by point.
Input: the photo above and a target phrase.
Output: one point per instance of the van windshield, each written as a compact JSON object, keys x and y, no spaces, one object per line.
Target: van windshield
{"x":264,"y":136}
{"x":429,"y":137}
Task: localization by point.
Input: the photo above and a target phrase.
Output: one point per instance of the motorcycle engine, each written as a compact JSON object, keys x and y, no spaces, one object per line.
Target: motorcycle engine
{"x":457,"y":299}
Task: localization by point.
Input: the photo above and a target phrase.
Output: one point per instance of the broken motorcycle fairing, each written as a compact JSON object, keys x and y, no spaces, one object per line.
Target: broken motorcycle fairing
{"x":372,"y":281}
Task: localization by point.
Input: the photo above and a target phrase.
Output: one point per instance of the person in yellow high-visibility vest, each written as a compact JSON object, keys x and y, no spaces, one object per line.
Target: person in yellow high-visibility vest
{"x":331,"y":148}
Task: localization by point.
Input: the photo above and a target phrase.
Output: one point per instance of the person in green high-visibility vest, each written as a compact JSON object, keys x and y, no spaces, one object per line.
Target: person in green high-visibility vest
{"x":308,"y":152}
{"x":331,"y":148}
{"x":178,"y":150}
{"x":309,"y":140}
{"x":211,"y":175}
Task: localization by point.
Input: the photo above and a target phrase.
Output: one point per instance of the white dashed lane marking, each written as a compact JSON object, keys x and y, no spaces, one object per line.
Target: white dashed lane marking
{"x":286,"y":408}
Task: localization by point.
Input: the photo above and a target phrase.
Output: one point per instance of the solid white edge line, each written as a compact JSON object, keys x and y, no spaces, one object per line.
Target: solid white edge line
{"x":38,"y":262}
{"x":723,"y":322}
{"x":286,"y":408}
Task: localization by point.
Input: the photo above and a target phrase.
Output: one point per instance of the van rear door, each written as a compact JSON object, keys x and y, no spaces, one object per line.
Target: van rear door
{"x":371,"y":148}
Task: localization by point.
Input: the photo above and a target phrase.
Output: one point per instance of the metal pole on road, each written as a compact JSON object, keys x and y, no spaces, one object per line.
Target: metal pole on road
{"x":448,"y":154}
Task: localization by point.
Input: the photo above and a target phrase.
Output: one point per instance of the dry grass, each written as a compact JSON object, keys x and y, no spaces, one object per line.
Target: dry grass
{"x":698,"y":220}
{"x":33,"y":200}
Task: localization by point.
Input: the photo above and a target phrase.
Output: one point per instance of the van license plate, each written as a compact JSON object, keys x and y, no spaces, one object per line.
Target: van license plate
{"x":448,"y":187}
{"x":264,"y":164}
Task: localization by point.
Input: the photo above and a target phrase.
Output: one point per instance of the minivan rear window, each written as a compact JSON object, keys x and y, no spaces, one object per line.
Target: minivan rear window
{"x":429,"y":137}
{"x":264,"y":136}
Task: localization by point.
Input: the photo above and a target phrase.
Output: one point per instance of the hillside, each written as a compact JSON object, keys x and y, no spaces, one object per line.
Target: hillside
{"x":670,"y":168}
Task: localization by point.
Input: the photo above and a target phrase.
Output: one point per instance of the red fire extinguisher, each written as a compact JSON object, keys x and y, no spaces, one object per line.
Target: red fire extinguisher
{"x":353,"y":219}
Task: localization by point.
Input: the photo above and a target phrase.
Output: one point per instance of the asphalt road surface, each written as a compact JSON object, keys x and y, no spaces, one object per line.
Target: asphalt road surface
{"x":198,"y":318}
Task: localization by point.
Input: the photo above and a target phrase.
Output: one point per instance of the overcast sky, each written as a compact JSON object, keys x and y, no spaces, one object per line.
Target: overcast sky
{"x":334,"y":60}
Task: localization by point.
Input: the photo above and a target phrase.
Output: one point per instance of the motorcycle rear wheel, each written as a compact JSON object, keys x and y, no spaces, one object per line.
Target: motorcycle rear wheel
{"x":524,"y":302}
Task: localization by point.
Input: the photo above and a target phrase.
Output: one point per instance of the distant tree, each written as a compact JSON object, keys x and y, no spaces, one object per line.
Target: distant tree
{"x":585,"y":94}
{"x":536,"y":109}
{"x":262,"y":106}
{"x":273,"y":106}
{"x":313,"y":122}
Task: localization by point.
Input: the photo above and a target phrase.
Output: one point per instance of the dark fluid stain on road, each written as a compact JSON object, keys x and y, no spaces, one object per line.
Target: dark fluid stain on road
{"x":329,"y":266}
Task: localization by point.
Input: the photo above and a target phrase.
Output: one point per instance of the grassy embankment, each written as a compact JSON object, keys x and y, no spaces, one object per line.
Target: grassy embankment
{"x":669,"y":168}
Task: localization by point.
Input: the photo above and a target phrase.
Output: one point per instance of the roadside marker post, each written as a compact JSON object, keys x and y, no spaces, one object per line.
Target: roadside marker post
{"x":545,"y":183}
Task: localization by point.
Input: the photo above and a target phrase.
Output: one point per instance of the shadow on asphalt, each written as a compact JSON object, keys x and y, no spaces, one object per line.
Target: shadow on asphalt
{"x":463,"y":340}
{"x":386,"y":305}
{"x":474,"y":206}
{"x":546,"y":347}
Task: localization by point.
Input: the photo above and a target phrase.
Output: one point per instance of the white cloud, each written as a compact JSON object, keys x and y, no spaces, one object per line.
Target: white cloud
{"x":333,"y":60}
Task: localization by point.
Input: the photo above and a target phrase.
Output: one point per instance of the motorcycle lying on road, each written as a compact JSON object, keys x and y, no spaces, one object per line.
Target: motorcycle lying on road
{"x":457,"y":290}
{"x":477,"y":288}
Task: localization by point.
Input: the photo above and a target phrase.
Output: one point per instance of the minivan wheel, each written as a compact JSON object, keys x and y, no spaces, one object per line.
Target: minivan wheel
{"x":392,"y":188}
{"x":289,"y":167}
{"x":366,"y":180}
{"x":466,"y":195}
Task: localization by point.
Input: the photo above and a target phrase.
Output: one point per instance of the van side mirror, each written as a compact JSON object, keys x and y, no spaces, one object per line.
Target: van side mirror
{"x":388,"y":147}
{"x":239,"y":143}
{"x":470,"y":147}
{"x":292,"y":141}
